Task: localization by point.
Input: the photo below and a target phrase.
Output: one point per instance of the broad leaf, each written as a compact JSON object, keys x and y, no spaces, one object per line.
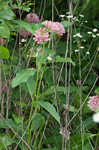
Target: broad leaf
{"x":22,"y":76}
{"x":51,"y":109}
{"x":61,"y":60}
{"x":49,"y":149}
{"x":5,"y":12}
{"x":29,"y":27}
{"x":66,"y":23}
{"x":4,"y":53}
{"x":38,"y":121}
{"x":97,"y":91}
{"x":31,"y":85}
{"x":5,"y":141}
{"x":4,"y":31}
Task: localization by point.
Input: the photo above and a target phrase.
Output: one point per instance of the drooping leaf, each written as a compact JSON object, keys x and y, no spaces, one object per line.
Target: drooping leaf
{"x":66,"y":23}
{"x":63,"y":60}
{"x":4,"y":53}
{"x":51,"y":109}
{"x":5,"y":11}
{"x":49,"y":149}
{"x":31,"y":85}
{"x":22,"y":77}
{"x":29,"y":27}
{"x":7,"y":123}
{"x":4,"y":31}
{"x":38,"y":121}
{"x":5,"y":141}
{"x":97,"y":91}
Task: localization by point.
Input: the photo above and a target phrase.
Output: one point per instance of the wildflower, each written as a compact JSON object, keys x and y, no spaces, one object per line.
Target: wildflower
{"x":87,"y":52}
{"x":23,"y":40}
{"x":32,"y":18}
{"x":93,"y":35}
{"x":77,"y":35}
{"x":81,"y":47}
{"x":70,"y":16}
{"x":78,"y":82}
{"x":86,"y":21}
{"x":81,"y":15}
{"x":55,"y":27}
{"x":2,"y":41}
{"x":76,"y":50}
{"x":97,"y":34}
{"x":93,"y":103}
{"x":95,"y":30}
{"x":96,"y":117}
{"x":24,"y":33}
{"x":4,"y":87}
{"x":41,"y":36}
{"x":68,"y":13}
{"x":62,"y":16}
{"x":89,"y":32}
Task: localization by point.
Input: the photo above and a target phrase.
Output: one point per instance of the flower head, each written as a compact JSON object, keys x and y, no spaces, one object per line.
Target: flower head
{"x":41,"y":36}
{"x":2,"y":41}
{"x":96,"y":117}
{"x":93,"y":103}
{"x":55,"y":27}
{"x":24,"y":33}
{"x":32,"y":18}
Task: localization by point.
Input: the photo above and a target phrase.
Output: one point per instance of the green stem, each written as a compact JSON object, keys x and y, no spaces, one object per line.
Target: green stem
{"x":35,"y":97}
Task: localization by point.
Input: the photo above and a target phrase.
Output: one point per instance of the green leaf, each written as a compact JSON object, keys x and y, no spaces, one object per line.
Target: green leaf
{"x":97,"y":91}
{"x":6,"y":123}
{"x":43,"y":56}
{"x":66,"y":23}
{"x":61,"y":60}
{"x":72,"y":109}
{"x":29,"y":27}
{"x":50,"y":90}
{"x":4,"y":31}
{"x":5,"y":141}
{"x":6,"y":13}
{"x":49,"y":149}
{"x":22,"y":76}
{"x":4,"y":53}
{"x":51,"y":109}
{"x":31,"y":85}
{"x":38,"y":121}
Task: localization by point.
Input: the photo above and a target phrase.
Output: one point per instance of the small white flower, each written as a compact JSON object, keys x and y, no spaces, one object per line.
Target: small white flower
{"x":49,"y":58}
{"x":97,"y":34}
{"x":81,"y":15}
{"x":98,"y":49}
{"x":93,"y":35}
{"x":86,"y":21}
{"x":76,"y":50}
{"x":68,"y":13}
{"x":95,"y":30}
{"x":81,"y":47}
{"x":70,"y":16}
{"x":84,"y":40}
{"x":62,"y":16}
{"x":77,"y":35}
{"x":89,"y":32}
{"x":96,"y":117}
{"x":87,"y":52}
{"x":23,"y":40}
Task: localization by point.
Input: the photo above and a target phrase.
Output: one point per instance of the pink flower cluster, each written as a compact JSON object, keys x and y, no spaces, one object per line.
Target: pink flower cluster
{"x":41,"y":36}
{"x":93,"y":103}
{"x":2,"y":41}
{"x":24,"y":33}
{"x":54,"y":27}
{"x":30,"y":18}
